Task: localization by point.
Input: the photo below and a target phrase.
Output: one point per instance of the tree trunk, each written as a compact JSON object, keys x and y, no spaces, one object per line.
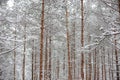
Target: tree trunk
{"x":50,"y":56}
{"x":86,"y":61}
{"x":90,"y":67}
{"x":95,"y":64}
{"x":109,"y":63}
{"x":104,"y":65}
{"x":35,"y":69}
{"x":68,"y":47}
{"x":58,"y":69}
{"x":112,"y":63}
{"x":116,"y":53}
{"x":24,"y":51}
{"x":15,"y":56}
{"x":82,"y":39}
{"x":41,"y":42}
{"x":119,"y":5}
{"x":33,"y":61}
{"x":46,"y":60}
{"x":73,"y":55}
{"x":98,"y":66}
{"x":90,"y":64}
{"x":116,"y":57}
{"x":64,"y":65}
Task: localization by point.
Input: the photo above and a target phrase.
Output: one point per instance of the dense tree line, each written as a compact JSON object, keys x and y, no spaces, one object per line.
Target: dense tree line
{"x":59,"y":39}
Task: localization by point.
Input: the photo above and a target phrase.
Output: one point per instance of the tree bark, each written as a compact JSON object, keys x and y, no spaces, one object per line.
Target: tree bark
{"x":35,"y":69}
{"x":86,"y":61}
{"x":46,"y":59}
{"x":119,"y":5}
{"x":109,"y":63}
{"x":112,"y":63}
{"x":58,"y":70}
{"x":116,"y":57}
{"x":64,"y":65}
{"x":41,"y":42}
{"x":102,"y":65}
{"x":50,"y":56}
{"x":95,"y":64}
{"x":73,"y":55}
{"x":33,"y":61}
{"x":24,"y":52}
{"x":68,"y":47}
{"x":98,"y":66}
{"x":105,"y":77}
{"x":15,"y":56}
{"x":90,"y":64}
{"x":82,"y":39}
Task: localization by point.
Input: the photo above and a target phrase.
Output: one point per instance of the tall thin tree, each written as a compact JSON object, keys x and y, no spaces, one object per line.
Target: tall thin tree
{"x":82,"y":38}
{"x":35,"y":66}
{"x":68,"y":46}
{"x":15,"y":55}
{"x":95,"y":64}
{"x":41,"y":42}
{"x":58,"y":69}
{"x":24,"y":54}
{"x":50,"y":45}
{"x":89,"y":60}
{"x":98,"y":65}
{"x":46,"y":59}
{"x":109,"y":63}
{"x":73,"y":56}
{"x":32,"y":57}
{"x":104,"y":65}
{"x":119,"y":6}
{"x":116,"y":57}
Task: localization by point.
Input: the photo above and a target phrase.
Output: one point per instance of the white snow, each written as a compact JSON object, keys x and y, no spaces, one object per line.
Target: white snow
{"x":93,"y":6}
{"x":10,"y":4}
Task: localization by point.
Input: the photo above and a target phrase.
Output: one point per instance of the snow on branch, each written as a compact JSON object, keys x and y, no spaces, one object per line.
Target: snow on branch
{"x":5,"y":52}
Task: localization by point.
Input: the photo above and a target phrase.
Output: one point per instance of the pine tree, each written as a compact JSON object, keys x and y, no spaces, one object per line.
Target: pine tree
{"x":82,"y":39}
{"x":41,"y":42}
